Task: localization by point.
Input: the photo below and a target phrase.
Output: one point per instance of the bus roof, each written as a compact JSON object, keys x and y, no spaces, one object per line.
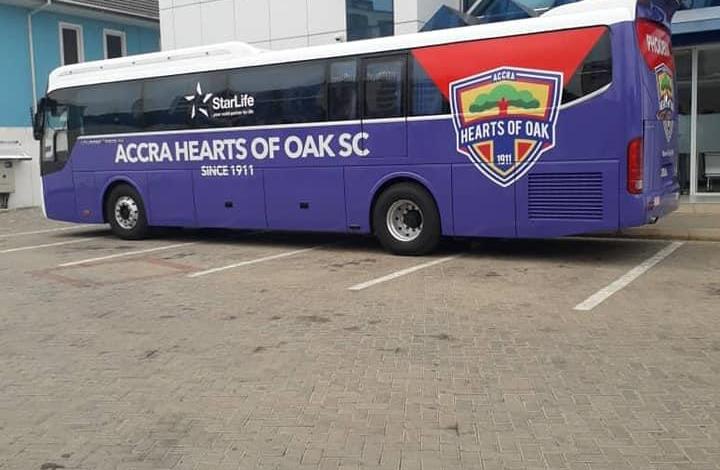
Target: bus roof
{"x":237,"y":54}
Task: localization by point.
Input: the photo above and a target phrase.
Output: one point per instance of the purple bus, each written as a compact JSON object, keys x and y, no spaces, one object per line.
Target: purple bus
{"x":556,"y":125}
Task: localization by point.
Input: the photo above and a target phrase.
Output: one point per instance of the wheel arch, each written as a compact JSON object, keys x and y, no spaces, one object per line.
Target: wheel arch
{"x":112,"y":184}
{"x":396,"y":178}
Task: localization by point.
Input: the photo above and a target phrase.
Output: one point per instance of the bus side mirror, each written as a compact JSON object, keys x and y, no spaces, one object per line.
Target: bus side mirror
{"x":39,"y":120}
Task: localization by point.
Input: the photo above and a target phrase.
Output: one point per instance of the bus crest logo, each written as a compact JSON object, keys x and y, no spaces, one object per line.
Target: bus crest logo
{"x":505,"y":119}
{"x":666,"y":91}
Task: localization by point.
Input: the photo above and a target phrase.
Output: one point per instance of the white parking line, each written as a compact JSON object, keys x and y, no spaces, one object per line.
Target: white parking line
{"x":45,"y":245}
{"x":400,"y":273}
{"x":603,"y":294}
{"x":124,"y":254}
{"x":50,"y":230}
{"x":251,"y":261}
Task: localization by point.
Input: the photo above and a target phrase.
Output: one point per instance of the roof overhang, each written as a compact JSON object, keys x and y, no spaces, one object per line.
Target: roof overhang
{"x":11,"y":150}
{"x":696,"y":20}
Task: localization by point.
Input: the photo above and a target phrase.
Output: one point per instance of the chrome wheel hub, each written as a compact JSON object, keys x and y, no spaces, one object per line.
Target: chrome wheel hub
{"x":127,"y":212}
{"x":404,"y":220}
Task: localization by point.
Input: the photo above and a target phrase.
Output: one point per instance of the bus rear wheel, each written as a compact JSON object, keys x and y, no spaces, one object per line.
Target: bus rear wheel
{"x":125,"y":212}
{"x":406,"y":220}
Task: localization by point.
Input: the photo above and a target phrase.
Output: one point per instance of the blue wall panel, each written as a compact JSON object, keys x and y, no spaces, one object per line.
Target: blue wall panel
{"x":142,"y":40}
{"x":15,"y":90}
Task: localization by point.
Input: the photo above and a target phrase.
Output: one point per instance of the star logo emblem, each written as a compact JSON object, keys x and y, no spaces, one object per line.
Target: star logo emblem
{"x":199,"y":102}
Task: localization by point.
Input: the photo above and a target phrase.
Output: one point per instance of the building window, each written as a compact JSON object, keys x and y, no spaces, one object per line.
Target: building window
{"x":684,"y":85}
{"x":504,"y":10}
{"x":708,"y":120}
{"x":698,"y":100}
{"x":114,"y":44}
{"x":703,"y":3}
{"x":467,"y":4}
{"x":369,"y":19}
{"x":71,"y":44}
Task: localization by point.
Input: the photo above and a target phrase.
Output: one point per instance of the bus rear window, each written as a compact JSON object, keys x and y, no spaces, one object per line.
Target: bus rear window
{"x":594,"y":73}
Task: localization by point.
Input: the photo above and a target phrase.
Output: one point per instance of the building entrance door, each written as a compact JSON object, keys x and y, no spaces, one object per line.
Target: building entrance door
{"x":698,"y":88}
{"x":683,"y":66}
{"x":708,"y":121}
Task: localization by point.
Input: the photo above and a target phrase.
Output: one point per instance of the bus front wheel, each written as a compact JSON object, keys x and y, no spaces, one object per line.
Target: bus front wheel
{"x":406,"y":220}
{"x":126,"y":213}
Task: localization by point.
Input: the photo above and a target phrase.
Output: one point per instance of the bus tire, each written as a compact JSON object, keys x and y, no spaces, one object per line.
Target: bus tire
{"x":406,"y":220}
{"x":126,"y":214}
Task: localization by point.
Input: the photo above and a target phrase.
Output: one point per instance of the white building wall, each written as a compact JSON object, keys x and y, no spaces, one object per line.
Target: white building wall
{"x":275,"y":24}
{"x":27,"y":172}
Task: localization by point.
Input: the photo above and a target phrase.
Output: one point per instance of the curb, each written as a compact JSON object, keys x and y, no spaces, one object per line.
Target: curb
{"x":17,"y":209}
{"x":698,"y":235}
{"x":699,"y":208}
{"x":687,"y":225}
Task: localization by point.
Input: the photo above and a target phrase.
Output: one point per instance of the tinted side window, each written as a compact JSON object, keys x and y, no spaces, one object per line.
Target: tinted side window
{"x":282,"y":94}
{"x":384,"y":87}
{"x":184,"y":101}
{"x":426,"y":98}
{"x":303,"y":93}
{"x":104,"y":109}
{"x":343,"y":91}
{"x":593,"y":73}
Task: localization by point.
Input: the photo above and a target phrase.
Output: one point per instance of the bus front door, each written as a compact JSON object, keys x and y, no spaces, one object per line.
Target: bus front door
{"x":56,"y":167}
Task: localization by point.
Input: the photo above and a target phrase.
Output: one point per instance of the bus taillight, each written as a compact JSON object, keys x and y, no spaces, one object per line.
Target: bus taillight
{"x":635,"y":166}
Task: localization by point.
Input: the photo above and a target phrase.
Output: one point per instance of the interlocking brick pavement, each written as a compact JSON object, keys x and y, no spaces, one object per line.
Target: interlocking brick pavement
{"x":281,"y":367}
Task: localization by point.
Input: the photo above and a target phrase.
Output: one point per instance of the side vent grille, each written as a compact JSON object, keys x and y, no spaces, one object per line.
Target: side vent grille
{"x":569,"y":196}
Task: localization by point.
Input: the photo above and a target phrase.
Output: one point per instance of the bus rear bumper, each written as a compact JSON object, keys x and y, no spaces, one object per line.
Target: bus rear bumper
{"x":661,"y":204}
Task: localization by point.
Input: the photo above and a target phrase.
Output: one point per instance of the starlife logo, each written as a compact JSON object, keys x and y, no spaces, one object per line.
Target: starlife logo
{"x":199,"y":102}
{"x":212,"y":106}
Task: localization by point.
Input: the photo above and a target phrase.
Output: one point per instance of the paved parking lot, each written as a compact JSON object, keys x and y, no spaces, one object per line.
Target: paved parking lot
{"x":237,"y":350}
